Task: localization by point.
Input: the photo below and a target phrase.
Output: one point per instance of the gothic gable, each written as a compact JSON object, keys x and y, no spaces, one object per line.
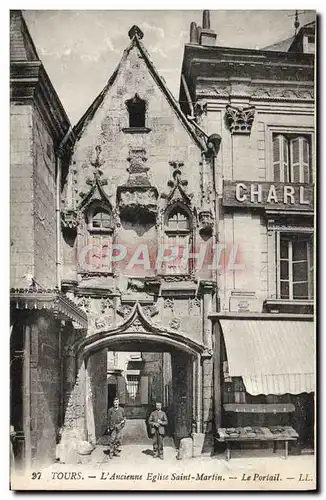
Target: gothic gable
{"x":135,"y":111}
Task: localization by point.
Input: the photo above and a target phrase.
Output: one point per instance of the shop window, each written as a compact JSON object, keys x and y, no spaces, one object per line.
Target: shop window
{"x":292,"y":158}
{"x":137,"y":112}
{"x":295,"y":266}
{"x":178,"y":237}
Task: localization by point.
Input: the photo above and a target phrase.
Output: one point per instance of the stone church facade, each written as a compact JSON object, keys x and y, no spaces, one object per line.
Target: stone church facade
{"x":116,"y":233}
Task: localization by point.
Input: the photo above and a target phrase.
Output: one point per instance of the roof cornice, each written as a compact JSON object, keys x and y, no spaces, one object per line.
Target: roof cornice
{"x":29,"y":83}
{"x":197,"y":57}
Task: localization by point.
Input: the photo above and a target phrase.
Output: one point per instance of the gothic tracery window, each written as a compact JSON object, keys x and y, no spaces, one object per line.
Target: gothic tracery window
{"x":99,"y":239}
{"x":178,"y":239}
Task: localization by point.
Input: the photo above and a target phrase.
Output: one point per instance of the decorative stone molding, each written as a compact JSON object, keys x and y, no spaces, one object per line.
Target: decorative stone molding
{"x":222,"y":91}
{"x":100,"y":323}
{"x":105,"y":304}
{"x":30,"y":82}
{"x":279,"y":93}
{"x":169,"y":304}
{"x":137,"y":199}
{"x":200,"y":109}
{"x":177,"y":186}
{"x":175,"y":323}
{"x":240,"y":119}
{"x":70,"y":219}
{"x":177,"y":278}
{"x":52,"y":300}
{"x":150,"y":311}
{"x":244,"y":301}
{"x":207,"y":353}
{"x":84,"y":303}
{"x":206,"y":222}
{"x":194,"y":305}
{"x":124,"y":310}
{"x":95,"y":193}
{"x":207,"y":192}
{"x":96,"y":160}
{"x":137,"y":325}
{"x":207,"y":286}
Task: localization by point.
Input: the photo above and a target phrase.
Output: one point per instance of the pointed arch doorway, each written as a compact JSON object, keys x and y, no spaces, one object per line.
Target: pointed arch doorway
{"x":181,"y":394}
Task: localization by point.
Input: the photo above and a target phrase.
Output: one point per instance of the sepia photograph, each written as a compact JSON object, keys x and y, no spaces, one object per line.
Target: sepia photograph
{"x":162,"y":250}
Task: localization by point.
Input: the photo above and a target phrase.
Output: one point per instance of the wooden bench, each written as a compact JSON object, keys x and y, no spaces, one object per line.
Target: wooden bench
{"x":257,"y":434}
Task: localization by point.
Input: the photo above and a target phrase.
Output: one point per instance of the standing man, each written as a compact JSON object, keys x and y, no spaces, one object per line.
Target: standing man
{"x":116,"y":422}
{"x":157,"y":422}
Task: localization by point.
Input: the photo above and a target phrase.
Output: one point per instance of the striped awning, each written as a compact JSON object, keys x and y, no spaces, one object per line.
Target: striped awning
{"x":271,"y":356}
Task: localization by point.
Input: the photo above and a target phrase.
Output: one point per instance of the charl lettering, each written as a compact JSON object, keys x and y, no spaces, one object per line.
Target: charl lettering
{"x":285,"y":195}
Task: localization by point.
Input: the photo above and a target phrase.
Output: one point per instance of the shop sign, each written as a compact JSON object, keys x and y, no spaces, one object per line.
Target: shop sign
{"x":269,"y":195}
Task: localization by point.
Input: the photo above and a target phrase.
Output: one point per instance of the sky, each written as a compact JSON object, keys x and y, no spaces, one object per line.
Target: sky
{"x":80,"y":49}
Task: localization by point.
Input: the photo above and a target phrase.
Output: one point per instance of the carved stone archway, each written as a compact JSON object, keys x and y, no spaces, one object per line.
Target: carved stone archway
{"x":135,"y":327}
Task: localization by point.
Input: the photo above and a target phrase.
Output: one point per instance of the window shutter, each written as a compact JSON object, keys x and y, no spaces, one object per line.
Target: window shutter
{"x":277,"y":157}
{"x":280,"y":158}
{"x":296,"y":159}
{"x":286,"y":177}
{"x":305,"y":160}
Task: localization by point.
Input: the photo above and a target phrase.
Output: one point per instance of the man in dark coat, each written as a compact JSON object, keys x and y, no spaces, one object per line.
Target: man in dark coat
{"x":116,"y":422}
{"x":157,"y":423}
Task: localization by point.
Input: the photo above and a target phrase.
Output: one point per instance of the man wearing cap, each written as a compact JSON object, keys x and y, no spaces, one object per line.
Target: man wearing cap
{"x":116,"y":422}
{"x":157,"y":423}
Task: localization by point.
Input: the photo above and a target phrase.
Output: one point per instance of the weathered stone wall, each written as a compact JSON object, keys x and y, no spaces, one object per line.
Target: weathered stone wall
{"x":44,"y":203}
{"x":167,"y":141}
{"x":98,"y":392}
{"x":153,"y":369}
{"x":21,"y":194}
{"x":32,"y":193}
{"x":45,"y":388}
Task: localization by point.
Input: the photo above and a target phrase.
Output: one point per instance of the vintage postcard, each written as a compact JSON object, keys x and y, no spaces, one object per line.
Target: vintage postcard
{"x":162,"y":207}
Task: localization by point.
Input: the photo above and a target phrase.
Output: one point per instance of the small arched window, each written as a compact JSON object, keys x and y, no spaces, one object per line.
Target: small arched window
{"x":137,"y":112}
{"x":178,"y":221}
{"x":178,"y":238}
{"x":99,"y":219}
{"x":96,"y":256}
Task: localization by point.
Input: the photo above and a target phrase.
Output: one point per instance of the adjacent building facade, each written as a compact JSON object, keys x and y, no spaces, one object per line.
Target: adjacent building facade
{"x":166,"y":251}
{"x":261,"y":103}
